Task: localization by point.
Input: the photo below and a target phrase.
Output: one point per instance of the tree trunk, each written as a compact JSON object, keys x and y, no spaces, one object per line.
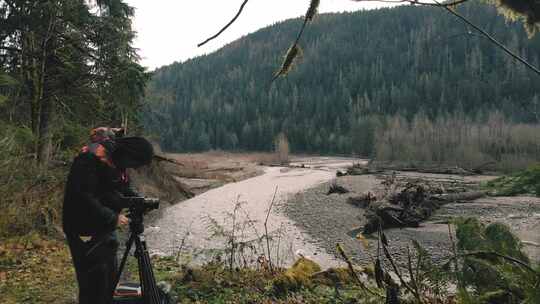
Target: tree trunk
{"x":45,"y":100}
{"x":45,"y":130}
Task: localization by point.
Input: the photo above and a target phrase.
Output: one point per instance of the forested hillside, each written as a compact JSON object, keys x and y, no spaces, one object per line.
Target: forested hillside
{"x":357,"y":68}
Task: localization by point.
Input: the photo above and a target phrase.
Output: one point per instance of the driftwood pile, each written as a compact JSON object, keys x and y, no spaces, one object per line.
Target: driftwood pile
{"x":406,"y":206}
{"x":380,"y":167}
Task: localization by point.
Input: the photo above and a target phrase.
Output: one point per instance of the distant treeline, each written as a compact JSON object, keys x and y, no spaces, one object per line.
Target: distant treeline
{"x":359,"y":69}
{"x":455,"y":140}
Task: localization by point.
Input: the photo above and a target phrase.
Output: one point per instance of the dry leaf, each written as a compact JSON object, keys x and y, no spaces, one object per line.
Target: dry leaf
{"x":363,"y":239}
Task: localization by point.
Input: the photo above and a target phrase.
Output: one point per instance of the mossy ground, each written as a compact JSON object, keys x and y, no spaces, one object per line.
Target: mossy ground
{"x":34,"y":269}
{"x":215,"y":283}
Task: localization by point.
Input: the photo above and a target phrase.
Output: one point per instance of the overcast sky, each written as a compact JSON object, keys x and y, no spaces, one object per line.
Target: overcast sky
{"x":169,"y":30}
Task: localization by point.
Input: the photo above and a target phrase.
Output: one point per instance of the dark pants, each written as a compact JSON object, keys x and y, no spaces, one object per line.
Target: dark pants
{"x":96,"y":266}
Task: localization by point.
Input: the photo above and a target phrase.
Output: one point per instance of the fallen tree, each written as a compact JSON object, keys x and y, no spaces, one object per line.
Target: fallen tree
{"x":407,"y":207}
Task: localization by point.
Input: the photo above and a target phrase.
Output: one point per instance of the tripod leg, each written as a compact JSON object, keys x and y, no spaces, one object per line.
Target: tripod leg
{"x":146,"y":273}
{"x":129,"y":244}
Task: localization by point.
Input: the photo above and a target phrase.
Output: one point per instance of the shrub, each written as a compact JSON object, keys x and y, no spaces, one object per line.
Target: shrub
{"x":494,"y":268}
{"x":525,"y":182}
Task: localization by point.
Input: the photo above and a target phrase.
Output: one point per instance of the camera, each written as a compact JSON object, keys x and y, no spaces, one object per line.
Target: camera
{"x":140,"y":204}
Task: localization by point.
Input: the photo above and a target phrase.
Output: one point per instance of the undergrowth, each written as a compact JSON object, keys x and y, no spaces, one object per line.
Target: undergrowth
{"x":216,"y":283}
{"x":30,"y":196}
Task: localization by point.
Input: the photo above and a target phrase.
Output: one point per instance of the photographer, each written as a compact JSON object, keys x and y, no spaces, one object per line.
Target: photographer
{"x":96,"y":184}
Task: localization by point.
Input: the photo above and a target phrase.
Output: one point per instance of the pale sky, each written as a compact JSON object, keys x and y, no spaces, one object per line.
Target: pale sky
{"x":169,"y":30}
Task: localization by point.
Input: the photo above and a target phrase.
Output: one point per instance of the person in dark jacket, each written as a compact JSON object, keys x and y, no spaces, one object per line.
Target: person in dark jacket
{"x":93,"y":201}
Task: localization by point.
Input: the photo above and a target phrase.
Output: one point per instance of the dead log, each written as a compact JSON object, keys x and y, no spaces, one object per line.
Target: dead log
{"x":459,"y":197}
{"x":335,"y":188}
{"x":362,"y":201}
{"x":409,"y":207}
{"x":361,"y":171}
{"x":340,"y":174}
{"x":160,"y":158}
{"x":452,"y":170}
{"x":480,"y":169}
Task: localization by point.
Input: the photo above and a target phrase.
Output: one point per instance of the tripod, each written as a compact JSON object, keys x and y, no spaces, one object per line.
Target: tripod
{"x":151,"y":294}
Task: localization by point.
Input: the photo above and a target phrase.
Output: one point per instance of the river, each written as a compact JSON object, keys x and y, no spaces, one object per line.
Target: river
{"x":194,"y":229}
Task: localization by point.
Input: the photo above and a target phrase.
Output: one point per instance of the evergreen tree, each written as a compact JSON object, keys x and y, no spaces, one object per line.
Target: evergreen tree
{"x":357,"y":66}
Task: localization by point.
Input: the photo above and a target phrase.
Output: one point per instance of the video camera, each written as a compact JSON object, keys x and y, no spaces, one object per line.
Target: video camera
{"x":140,"y":204}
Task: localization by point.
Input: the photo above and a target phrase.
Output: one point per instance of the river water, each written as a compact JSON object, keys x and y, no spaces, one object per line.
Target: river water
{"x":200,"y":228}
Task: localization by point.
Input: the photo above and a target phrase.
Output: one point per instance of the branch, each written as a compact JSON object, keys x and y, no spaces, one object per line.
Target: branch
{"x":266,"y":230}
{"x":413,"y":2}
{"x":9,"y":48}
{"x":448,"y":6}
{"x":294,"y":50}
{"x":169,"y":160}
{"x":496,"y":254}
{"x":353,"y":273}
{"x":489,"y":37}
{"x":226,"y":26}
{"x":396,"y":270}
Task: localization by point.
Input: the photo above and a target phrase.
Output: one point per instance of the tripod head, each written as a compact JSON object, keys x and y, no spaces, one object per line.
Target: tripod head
{"x":138,"y":206}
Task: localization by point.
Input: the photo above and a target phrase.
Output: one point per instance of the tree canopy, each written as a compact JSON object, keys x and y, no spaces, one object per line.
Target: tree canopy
{"x":66,"y":64}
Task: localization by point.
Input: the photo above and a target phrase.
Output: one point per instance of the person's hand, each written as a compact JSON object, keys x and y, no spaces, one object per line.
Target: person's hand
{"x":122,"y":220}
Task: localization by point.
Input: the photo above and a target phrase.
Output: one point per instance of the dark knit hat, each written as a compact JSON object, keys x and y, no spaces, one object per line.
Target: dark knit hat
{"x":132,"y":152}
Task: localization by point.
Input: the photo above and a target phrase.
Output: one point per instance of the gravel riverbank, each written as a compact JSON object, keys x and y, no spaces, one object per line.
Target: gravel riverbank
{"x":329,"y":219}
{"x":202,"y":226}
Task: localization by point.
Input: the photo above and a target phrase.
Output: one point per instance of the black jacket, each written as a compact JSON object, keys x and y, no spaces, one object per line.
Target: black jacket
{"x":92,"y":198}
